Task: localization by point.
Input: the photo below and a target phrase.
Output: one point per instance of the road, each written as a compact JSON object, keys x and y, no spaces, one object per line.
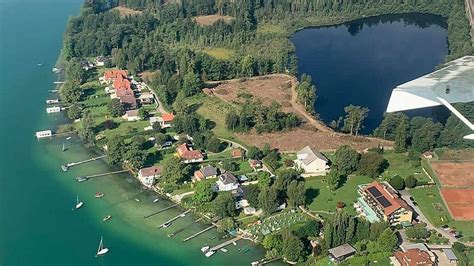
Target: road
{"x":470,"y":15}
{"x":422,"y":218}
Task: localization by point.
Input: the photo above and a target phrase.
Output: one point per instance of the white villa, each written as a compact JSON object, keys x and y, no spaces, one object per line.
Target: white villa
{"x":148,"y":175}
{"x":312,"y":162}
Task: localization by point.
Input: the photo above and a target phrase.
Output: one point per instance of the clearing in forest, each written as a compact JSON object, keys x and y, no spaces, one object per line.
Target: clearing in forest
{"x":281,"y":88}
{"x":125,"y":11}
{"x":211,"y":19}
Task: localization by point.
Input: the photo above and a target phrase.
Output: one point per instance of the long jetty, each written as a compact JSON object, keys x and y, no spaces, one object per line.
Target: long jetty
{"x":228,"y":242}
{"x":198,"y":233}
{"x":162,"y":210}
{"x":175,"y":218}
{"x":108,"y":173}
{"x":67,"y":166}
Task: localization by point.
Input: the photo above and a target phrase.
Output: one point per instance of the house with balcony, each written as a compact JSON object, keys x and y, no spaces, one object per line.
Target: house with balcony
{"x":379,"y":199}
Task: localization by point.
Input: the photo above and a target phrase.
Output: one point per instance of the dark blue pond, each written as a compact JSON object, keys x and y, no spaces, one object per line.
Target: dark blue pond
{"x":360,"y":62}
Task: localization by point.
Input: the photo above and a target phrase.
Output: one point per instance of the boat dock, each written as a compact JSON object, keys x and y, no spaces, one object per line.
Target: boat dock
{"x":175,"y":218}
{"x":162,"y":210}
{"x":67,"y":166}
{"x":228,"y":242}
{"x":103,"y":174}
{"x":198,"y":233}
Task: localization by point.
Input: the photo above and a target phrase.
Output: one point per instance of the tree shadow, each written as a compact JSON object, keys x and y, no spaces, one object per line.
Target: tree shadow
{"x":153,"y":158}
{"x":311,"y":194}
{"x":193,"y":107}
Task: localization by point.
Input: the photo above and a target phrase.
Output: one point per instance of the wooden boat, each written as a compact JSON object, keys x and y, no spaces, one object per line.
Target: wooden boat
{"x":106,"y":218}
{"x":99,"y":194}
{"x":101,"y":250}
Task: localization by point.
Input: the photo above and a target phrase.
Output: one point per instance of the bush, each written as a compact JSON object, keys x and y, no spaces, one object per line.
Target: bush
{"x":411,"y":181}
{"x":459,"y":247}
{"x":397,"y":183}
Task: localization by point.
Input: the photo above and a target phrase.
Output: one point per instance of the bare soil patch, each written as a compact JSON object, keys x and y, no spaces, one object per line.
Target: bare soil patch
{"x":211,"y":19}
{"x":455,"y":174}
{"x":125,"y":11}
{"x":460,"y":202}
{"x":267,"y":88}
{"x":281,"y":88}
{"x":296,"y":139}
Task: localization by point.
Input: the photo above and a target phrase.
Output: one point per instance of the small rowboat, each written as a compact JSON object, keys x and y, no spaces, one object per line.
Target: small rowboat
{"x":99,"y":194}
{"x":106,"y":218}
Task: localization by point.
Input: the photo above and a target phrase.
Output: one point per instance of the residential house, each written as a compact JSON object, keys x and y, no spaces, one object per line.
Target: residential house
{"x":189,"y":155}
{"x":131,"y":115}
{"x":414,"y":257}
{"x":255,"y":164}
{"x":312,"y":162}
{"x":383,"y":200}
{"x":240,"y":198}
{"x":206,"y":172}
{"x":342,"y":252}
{"x":100,"y":61}
{"x":227,"y":182}
{"x":166,"y":120}
{"x":148,"y":175}
{"x":146,"y":98}
{"x":111,"y":75}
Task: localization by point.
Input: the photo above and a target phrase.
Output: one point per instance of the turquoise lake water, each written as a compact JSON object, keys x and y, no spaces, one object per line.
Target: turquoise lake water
{"x":37,"y":224}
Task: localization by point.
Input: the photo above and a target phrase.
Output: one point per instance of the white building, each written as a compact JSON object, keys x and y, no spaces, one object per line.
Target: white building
{"x":148,"y":175}
{"x":131,"y":115}
{"x":312,"y":162}
{"x":227,"y":182}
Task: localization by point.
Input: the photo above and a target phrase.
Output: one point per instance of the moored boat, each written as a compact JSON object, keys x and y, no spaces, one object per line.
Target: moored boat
{"x":224,"y":250}
{"x":210,"y":253}
{"x":102,"y":249}
{"x":166,"y":224}
{"x":78,"y":203}
{"x":99,"y":194}
{"x":82,"y":178}
{"x":156,"y":200}
{"x":205,"y":249}
{"x":106,"y":218}
{"x":137,"y":199}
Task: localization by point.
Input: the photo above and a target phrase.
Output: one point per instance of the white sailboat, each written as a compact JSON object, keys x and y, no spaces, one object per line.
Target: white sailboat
{"x":78,"y":203}
{"x":101,"y":250}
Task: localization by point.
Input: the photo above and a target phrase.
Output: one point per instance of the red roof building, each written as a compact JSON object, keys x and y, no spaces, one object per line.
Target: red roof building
{"x":114,"y":74}
{"x":189,"y":155}
{"x":167,"y":117}
{"x":237,"y":153}
{"x":414,"y":257}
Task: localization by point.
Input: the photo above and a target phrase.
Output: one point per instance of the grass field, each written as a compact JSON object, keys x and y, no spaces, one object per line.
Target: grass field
{"x":219,"y":53}
{"x":215,"y":110}
{"x":325,"y":200}
{"x":399,"y":164}
{"x":431,"y":204}
{"x":268,"y":28}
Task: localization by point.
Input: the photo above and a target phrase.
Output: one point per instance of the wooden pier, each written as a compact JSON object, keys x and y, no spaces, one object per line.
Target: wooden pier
{"x":67,"y":166}
{"x":228,"y":242}
{"x":162,"y":210}
{"x":103,"y":174}
{"x":173,"y":219}
{"x":198,"y":233}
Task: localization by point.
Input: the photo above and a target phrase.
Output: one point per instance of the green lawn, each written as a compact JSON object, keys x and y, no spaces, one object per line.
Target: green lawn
{"x":399,"y":164}
{"x":431,"y":204}
{"x":219,"y":53}
{"x":215,"y":110}
{"x":325,"y":200}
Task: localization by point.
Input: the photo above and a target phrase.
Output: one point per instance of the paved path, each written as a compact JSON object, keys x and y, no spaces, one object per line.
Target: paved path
{"x":470,"y":15}
{"x":422,"y":218}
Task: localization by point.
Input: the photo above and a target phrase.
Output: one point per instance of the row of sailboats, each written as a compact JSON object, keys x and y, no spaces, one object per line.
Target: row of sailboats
{"x":102,"y":250}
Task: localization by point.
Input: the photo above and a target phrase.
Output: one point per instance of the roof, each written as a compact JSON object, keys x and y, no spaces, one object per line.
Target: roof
{"x":413,"y":257}
{"x":122,"y":83}
{"x":208,"y":171}
{"x":454,"y":82}
{"x":254,"y":163}
{"x":450,"y":254}
{"x":307,"y":155}
{"x":113,"y":74}
{"x":227,"y":178}
{"x":389,"y":201}
{"x":167,"y":117}
{"x":342,"y":251}
{"x":151,"y":171}
{"x":128,"y":100}
{"x":186,"y":153}
{"x":420,"y":246}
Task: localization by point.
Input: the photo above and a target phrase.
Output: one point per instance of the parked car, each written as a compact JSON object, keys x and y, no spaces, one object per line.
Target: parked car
{"x":445,"y":227}
{"x":415,"y":203}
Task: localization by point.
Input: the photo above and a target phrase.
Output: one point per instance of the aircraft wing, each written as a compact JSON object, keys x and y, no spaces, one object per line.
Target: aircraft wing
{"x":454,"y":83}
